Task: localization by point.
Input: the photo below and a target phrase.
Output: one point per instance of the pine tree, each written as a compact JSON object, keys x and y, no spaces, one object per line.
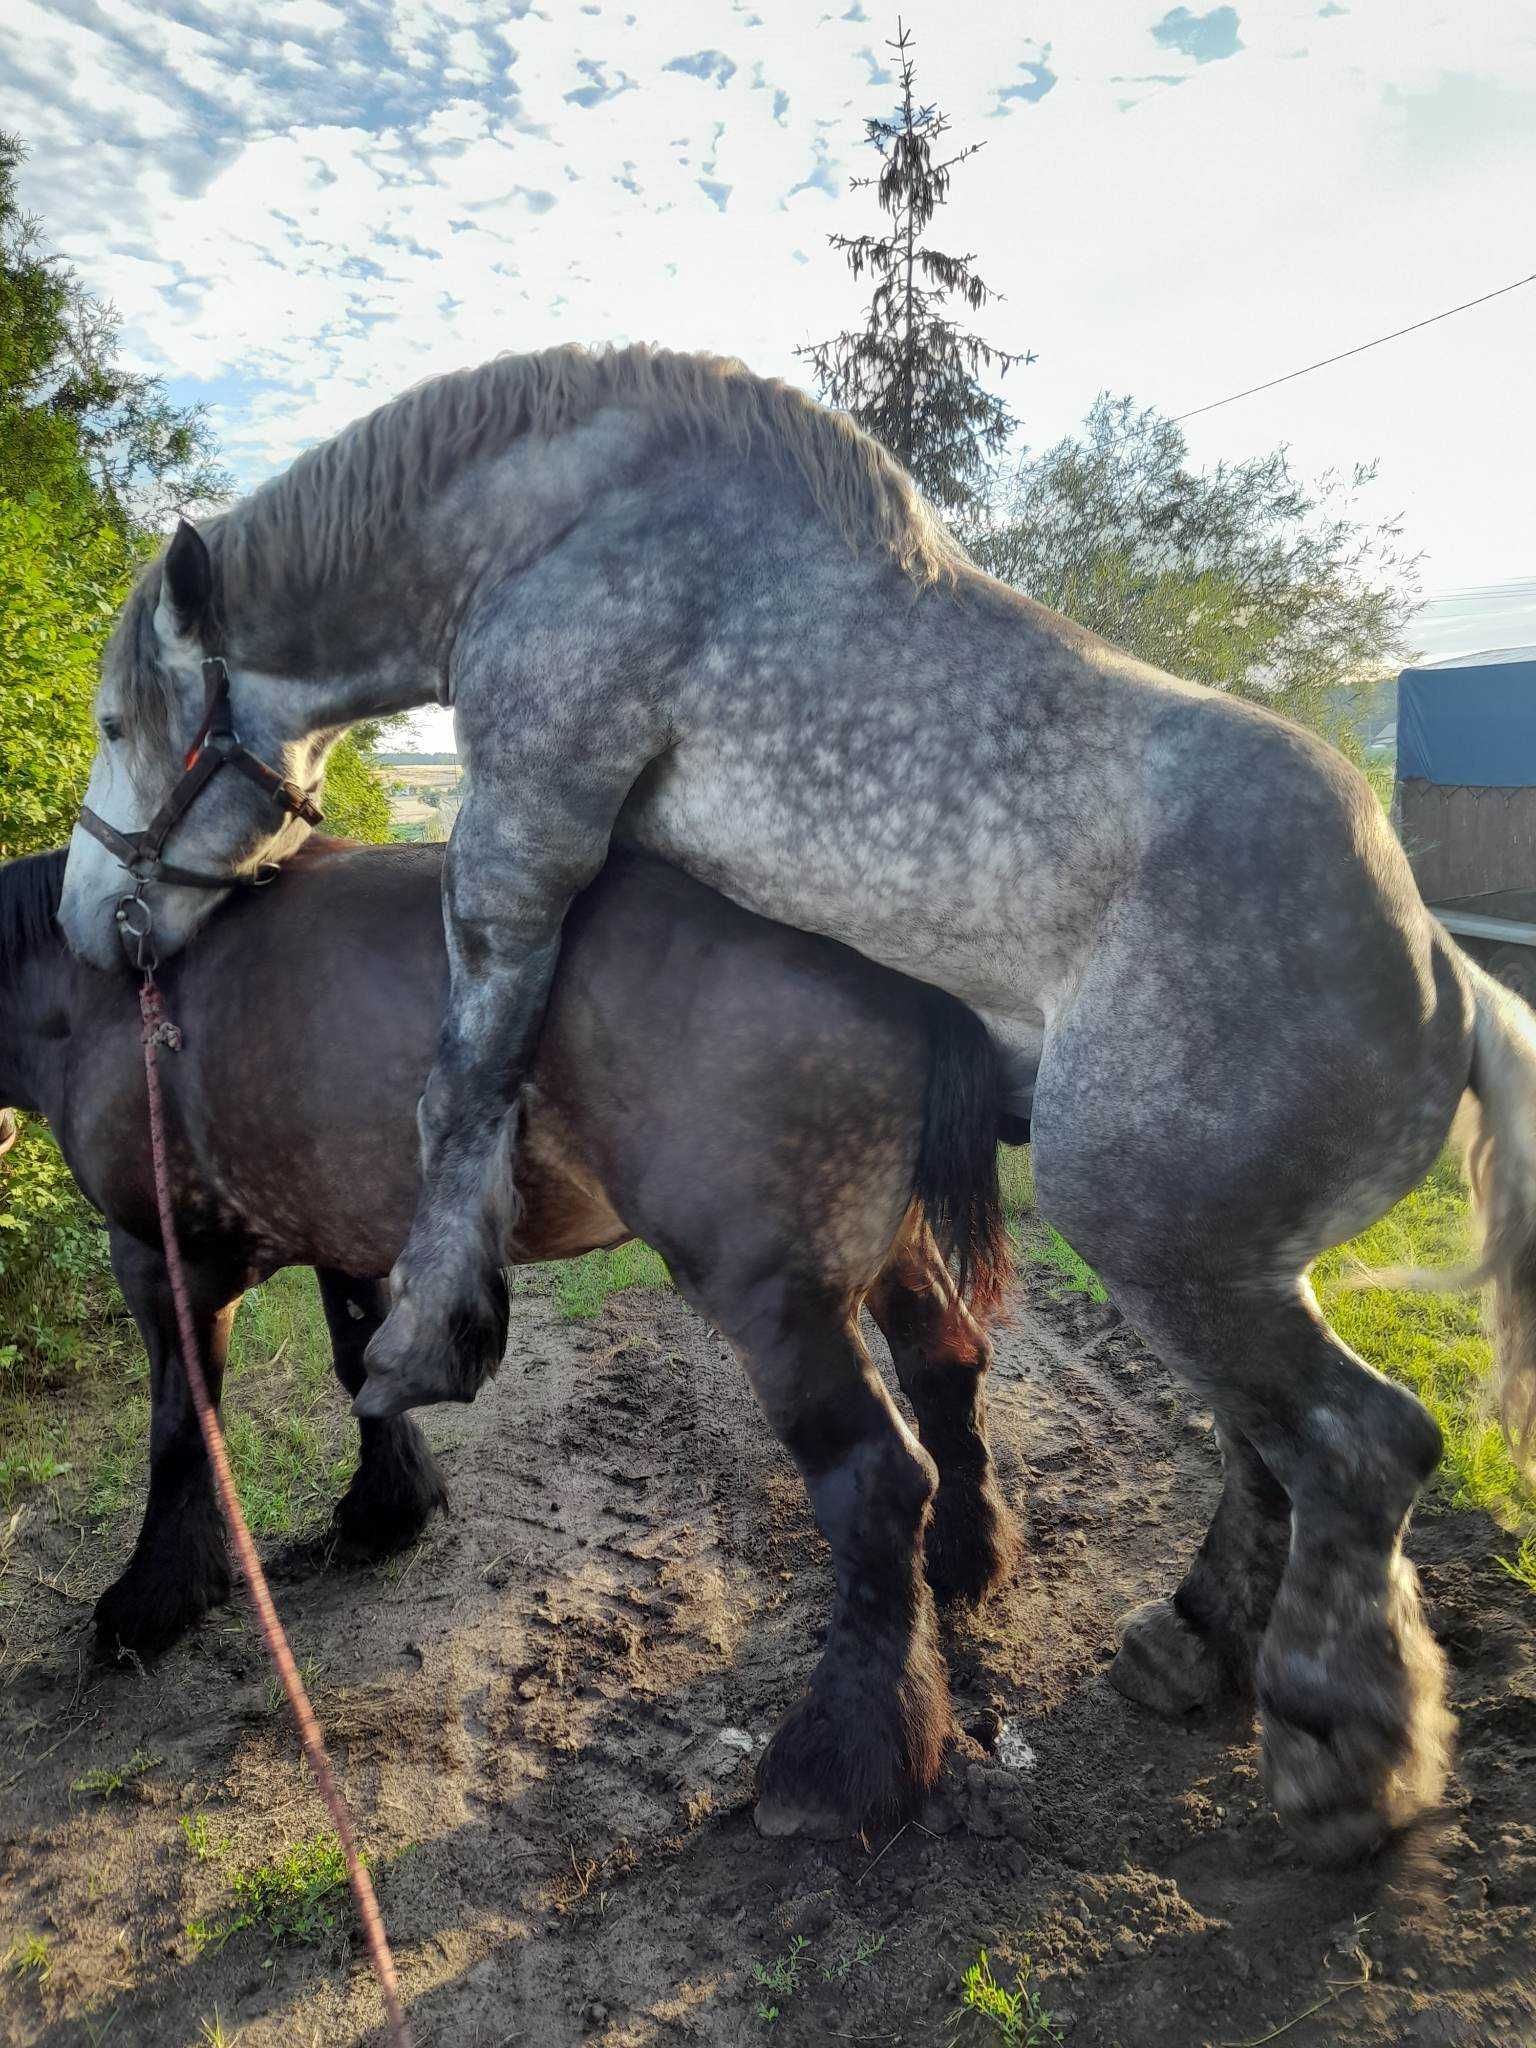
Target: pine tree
{"x":910,"y":375}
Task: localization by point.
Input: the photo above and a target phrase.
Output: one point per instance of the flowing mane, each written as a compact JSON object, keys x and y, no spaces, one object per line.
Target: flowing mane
{"x":29,"y":903}
{"x":334,"y":508}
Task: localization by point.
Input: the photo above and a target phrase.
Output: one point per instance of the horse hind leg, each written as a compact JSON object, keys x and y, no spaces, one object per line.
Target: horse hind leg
{"x":942,"y":1356}
{"x":1350,"y":1683}
{"x":398,"y":1482}
{"x":1197,"y":1648}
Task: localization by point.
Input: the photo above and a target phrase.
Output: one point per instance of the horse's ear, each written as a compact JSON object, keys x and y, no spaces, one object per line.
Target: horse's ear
{"x":188,"y":578}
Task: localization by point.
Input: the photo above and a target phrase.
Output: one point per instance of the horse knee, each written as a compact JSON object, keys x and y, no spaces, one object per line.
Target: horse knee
{"x":875,"y":1500}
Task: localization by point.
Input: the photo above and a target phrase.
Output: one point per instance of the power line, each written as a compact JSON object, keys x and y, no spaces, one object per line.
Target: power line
{"x":1344,"y":354}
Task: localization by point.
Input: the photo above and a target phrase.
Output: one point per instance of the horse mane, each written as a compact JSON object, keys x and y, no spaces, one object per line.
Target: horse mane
{"x":30,"y":889}
{"x":335,"y":507}
{"x":148,"y":704}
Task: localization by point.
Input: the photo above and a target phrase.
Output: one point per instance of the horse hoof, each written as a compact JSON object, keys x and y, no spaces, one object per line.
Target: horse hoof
{"x":414,"y":1360}
{"x":780,"y":1819}
{"x":138,"y":1620}
{"x":1357,"y":1734}
{"x":392,"y":1498}
{"x":1163,"y":1665}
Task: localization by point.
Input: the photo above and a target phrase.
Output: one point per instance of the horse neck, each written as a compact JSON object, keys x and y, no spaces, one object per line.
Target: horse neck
{"x":374,"y":633}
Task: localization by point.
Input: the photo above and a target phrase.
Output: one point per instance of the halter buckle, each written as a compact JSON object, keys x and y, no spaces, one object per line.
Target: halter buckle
{"x":136,"y":921}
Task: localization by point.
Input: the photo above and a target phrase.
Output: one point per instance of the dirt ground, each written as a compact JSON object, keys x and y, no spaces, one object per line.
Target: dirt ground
{"x":545,"y":1715}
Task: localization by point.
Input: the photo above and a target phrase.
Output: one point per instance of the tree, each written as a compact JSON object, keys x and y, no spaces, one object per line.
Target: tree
{"x":72,"y":417}
{"x":355,"y":801}
{"x":910,"y":375}
{"x":1240,"y":576}
{"x":93,"y":457}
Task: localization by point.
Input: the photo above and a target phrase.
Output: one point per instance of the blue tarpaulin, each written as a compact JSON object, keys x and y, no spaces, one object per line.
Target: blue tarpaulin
{"x":1470,"y":723}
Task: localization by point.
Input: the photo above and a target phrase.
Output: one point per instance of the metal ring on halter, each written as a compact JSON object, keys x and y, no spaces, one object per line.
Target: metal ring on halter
{"x":137,"y":923}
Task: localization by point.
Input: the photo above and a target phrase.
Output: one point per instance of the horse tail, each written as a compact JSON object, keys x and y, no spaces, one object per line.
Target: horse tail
{"x":1500,"y":1156}
{"x":955,"y":1181}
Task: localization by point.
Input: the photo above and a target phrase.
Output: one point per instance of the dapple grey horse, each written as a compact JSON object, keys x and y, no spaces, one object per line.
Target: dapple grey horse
{"x":678,"y":604}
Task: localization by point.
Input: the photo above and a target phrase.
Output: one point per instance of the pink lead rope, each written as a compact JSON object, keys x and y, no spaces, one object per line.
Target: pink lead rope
{"x":159,"y":1031}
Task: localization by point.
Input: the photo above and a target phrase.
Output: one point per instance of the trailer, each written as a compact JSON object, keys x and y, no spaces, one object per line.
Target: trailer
{"x":1465,"y":804}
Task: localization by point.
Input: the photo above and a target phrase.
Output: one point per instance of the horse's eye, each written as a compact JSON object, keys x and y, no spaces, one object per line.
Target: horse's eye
{"x":111,"y":730}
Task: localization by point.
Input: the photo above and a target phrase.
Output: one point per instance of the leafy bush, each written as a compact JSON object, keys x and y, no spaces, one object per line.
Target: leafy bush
{"x":354,"y":802}
{"x":55,"y":1279}
{"x":59,"y":587}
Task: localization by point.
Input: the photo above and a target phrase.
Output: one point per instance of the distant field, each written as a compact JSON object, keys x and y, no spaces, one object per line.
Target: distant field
{"x":423,"y":796}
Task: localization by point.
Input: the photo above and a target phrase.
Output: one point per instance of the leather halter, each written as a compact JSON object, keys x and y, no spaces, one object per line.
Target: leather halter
{"x":216,"y":745}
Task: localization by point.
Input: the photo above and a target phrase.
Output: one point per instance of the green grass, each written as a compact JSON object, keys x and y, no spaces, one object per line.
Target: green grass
{"x":106,"y":1781}
{"x":1434,"y":1343}
{"x":779,"y":1980}
{"x":991,"y":2012}
{"x":581,"y":1286}
{"x":29,"y":1955}
{"x":299,"y":1899}
{"x":290,"y":1438}
{"x":200,"y":1838}
{"x":285,"y":1417}
{"x":1038,"y":1244}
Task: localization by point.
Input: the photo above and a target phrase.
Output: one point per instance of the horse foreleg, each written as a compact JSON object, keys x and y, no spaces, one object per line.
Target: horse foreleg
{"x":533,"y":832}
{"x":1198,"y":1648}
{"x":180,"y":1567}
{"x":398,"y":1482}
{"x":942,"y":1356}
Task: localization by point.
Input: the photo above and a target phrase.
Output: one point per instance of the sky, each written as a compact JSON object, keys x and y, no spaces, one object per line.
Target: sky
{"x":302,"y":206}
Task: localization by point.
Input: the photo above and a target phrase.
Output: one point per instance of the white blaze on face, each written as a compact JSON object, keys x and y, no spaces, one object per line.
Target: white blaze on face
{"x":94,"y":880}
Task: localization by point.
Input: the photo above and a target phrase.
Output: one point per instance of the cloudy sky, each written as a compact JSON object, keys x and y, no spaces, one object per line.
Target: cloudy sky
{"x":301,"y":206}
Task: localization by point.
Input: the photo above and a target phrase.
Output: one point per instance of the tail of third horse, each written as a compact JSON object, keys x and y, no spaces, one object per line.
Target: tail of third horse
{"x":1499,"y":1141}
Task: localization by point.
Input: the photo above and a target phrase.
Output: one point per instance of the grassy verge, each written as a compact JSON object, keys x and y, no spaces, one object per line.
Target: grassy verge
{"x":1434,"y":1343}
{"x":1038,"y":1245}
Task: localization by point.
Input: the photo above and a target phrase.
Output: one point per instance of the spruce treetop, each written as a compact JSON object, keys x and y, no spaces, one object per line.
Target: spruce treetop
{"x":911,"y":376}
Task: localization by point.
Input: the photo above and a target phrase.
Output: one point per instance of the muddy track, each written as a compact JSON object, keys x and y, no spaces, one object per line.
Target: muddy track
{"x":546,"y":1716}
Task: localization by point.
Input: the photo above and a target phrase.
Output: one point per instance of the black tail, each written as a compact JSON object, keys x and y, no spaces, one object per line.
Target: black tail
{"x":956,"y":1179}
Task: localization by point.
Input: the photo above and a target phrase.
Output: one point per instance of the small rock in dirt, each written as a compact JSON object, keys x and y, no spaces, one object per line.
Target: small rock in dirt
{"x":737,"y":1739}
{"x":595,"y":2013}
{"x":1014,"y":1751}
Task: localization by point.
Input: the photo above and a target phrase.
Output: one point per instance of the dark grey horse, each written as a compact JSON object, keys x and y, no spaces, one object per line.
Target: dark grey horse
{"x":784,"y":1119}
{"x":675,"y":602}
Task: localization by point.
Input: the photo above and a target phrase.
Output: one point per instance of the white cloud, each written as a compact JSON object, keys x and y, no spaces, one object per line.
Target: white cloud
{"x":454,"y":177}
{"x":318,"y":16}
